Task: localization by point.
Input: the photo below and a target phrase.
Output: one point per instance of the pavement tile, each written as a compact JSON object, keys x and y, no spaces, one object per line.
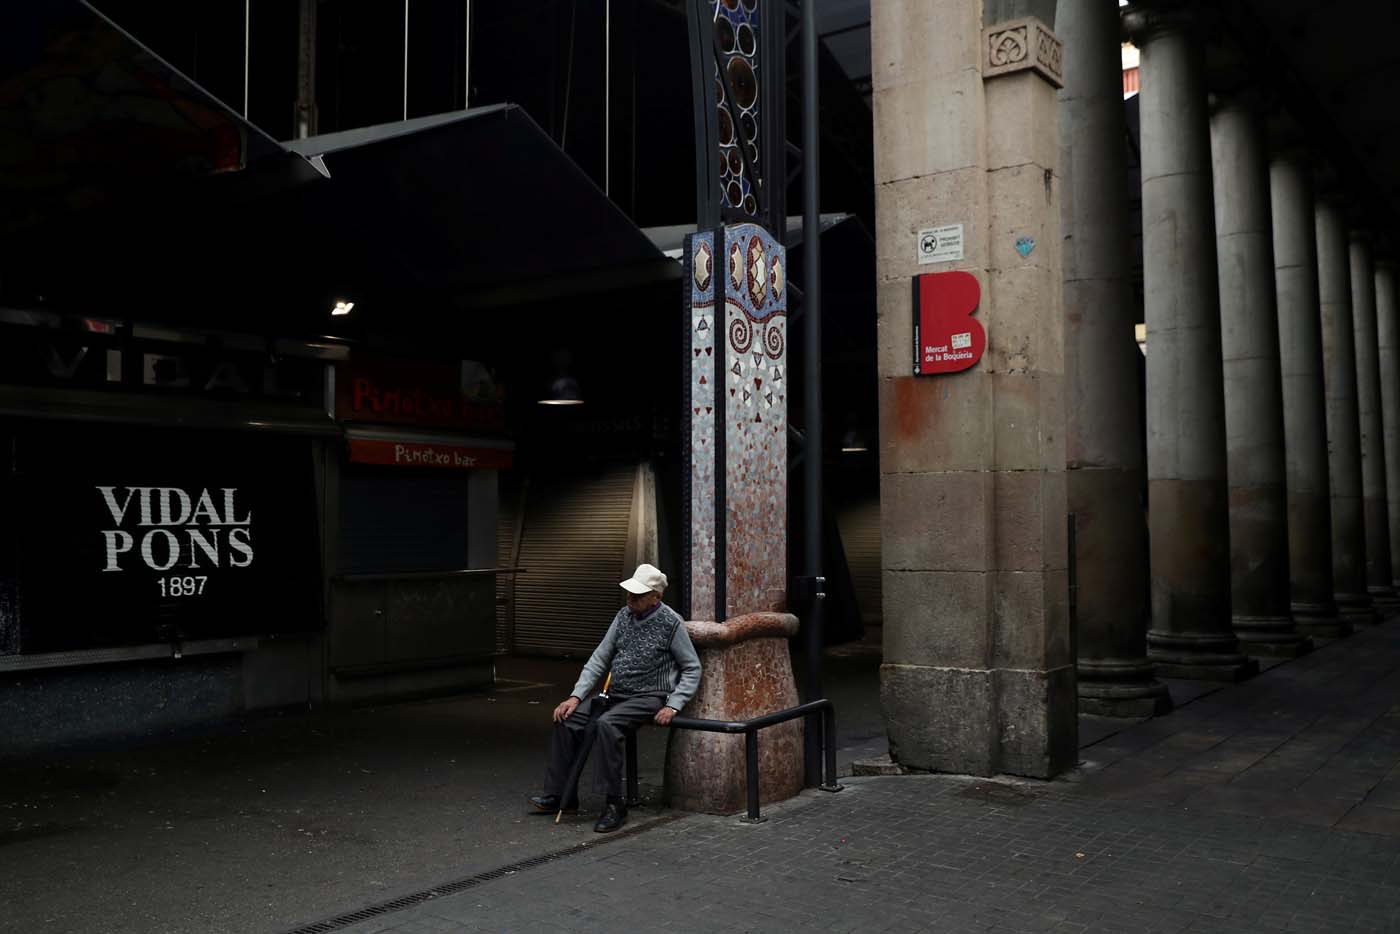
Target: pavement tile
{"x":1273,"y":805}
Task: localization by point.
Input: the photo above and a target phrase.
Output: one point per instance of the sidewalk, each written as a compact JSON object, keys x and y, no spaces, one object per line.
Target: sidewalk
{"x":1269,"y":806}
{"x":260,"y":824}
{"x":924,"y":853}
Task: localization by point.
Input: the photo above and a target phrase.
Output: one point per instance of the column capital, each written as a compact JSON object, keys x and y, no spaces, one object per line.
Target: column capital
{"x":1256,"y":100}
{"x":1293,"y":150}
{"x":1143,"y":24}
{"x":1024,"y":44}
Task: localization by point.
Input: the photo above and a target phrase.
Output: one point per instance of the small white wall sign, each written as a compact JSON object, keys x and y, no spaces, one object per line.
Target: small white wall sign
{"x":940,"y":244}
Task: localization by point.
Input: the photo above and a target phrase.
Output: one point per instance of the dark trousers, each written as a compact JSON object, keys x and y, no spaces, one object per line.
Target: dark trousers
{"x":622,"y":716}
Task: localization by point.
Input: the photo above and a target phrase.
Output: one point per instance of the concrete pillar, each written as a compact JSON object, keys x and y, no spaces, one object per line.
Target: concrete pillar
{"x":1343,"y":420}
{"x":1188,"y":494}
{"x":1259,"y":587}
{"x":1103,"y":425}
{"x":1304,"y":402}
{"x":1368,"y":403}
{"x":1388,"y":331}
{"x":979,"y":660}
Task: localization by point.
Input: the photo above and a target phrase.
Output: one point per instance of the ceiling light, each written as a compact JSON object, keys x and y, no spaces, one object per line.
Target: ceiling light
{"x":853,"y":442}
{"x":342,"y":308}
{"x":563,"y":391}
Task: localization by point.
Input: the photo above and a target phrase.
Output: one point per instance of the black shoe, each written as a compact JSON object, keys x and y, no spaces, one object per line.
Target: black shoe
{"x":614,"y":816}
{"x":549,"y":804}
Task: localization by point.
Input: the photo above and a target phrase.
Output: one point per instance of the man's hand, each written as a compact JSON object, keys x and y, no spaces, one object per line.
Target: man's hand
{"x":664,"y":715}
{"x":565,"y":709}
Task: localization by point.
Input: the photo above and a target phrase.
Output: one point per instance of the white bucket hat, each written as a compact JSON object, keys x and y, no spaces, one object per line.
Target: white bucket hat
{"x":644,"y":580}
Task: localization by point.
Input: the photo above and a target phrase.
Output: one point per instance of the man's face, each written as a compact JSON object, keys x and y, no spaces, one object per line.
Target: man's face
{"x":641,"y":602}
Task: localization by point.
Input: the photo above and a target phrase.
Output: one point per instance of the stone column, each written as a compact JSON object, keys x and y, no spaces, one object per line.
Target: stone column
{"x":1259,"y":588}
{"x":1343,"y":421}
{"x":979,"y":660}
{"x":1103,"y":425}
{"x":1187,"y":489}
{"x":1388,"y":331}
{"x":1304,"y":402}
{"x":1368,"y":404}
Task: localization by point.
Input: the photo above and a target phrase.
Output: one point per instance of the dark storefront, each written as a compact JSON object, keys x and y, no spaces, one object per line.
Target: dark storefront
{"x":219,"y":495}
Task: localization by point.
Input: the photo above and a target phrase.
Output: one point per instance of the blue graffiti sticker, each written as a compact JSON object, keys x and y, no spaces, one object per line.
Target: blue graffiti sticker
{"x":1024,"y":245}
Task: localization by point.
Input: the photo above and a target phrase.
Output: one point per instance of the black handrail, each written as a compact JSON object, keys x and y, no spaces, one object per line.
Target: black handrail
{"x":750,"y":730}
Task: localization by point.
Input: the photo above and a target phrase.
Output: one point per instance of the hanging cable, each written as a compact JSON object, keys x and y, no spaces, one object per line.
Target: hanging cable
{"x":568,"y":76}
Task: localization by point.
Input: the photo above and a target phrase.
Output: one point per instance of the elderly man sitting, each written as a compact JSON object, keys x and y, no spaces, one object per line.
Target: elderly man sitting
{"x":655,"y":672}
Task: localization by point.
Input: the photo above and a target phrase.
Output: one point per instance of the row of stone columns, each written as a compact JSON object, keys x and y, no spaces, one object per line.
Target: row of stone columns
{"x":1272,"y":371}
{"x":1254,"y":519}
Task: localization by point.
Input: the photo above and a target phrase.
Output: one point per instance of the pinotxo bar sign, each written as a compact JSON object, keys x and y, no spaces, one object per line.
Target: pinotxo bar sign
{"x":420,"y":454}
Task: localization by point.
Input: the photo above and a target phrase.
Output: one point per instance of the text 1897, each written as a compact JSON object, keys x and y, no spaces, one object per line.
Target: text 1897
{"x":182,"y":586}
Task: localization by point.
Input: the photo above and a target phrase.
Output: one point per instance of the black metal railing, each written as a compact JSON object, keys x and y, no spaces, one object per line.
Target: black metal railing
{"x":750,"y":730}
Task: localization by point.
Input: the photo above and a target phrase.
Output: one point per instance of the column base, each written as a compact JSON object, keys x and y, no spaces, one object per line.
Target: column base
{"x":1199,"y":656}
{"x":1357,"y":609}
{"x":1121,"y":687}
{"x":1384,"y":599}
{"x":1274,"y":636}
{"x":747,"y":672}
{"x":1319,"y":619}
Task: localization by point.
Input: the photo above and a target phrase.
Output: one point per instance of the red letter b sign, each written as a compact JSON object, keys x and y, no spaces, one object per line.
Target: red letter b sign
{"x":946,"y":337}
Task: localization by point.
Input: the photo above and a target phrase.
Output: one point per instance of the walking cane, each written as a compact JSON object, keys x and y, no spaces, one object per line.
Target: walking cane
{"x":590,"y":733}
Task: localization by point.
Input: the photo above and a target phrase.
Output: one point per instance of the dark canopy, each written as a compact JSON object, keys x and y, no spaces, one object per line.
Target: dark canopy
{"x":127,"y":190}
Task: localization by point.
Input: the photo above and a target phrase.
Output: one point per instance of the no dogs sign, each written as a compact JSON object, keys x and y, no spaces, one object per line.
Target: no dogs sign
{"x":947,"y":338}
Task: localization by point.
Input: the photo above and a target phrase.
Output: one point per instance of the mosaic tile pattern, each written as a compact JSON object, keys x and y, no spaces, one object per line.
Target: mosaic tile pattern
{"x":754,"y":327}
{"x":736,"y":32}
{"x":700,"y":397}
{"x":756,"y":433}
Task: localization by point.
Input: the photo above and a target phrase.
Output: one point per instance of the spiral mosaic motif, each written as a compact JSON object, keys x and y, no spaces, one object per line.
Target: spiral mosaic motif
{"x":773,"y":343}
{"x":740,"y":334}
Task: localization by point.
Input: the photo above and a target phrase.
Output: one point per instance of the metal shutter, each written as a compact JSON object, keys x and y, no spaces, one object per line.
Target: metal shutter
{"x":860,"y":533}
{"x":508,"y":508}
{"x":574,"y":537}
{"x":396,"y":519}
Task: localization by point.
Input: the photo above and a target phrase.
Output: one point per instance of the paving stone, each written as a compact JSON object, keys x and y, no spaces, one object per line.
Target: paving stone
{"x":1272,"y":805}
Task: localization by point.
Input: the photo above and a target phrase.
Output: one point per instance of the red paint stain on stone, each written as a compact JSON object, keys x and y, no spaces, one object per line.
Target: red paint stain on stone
{"x":915,"y":402}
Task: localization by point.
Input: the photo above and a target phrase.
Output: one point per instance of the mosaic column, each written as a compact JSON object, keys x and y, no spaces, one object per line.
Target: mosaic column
{"x":1103,"y":422}
{"x":1343,"y":420}
{"x":1388,"y":331}
{"x":1188,"y":491}
{"x":1368,"y":395}
{"x":735,"y":500}
{"x":1304,"y":402}
{"x":1259,"y":588}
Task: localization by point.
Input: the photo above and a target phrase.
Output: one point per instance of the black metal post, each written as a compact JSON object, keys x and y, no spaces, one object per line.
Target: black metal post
{"x":812,"y":330}
{"x":751,"y":766}
{"x":699,"y":22}
{"x":829,"y":741}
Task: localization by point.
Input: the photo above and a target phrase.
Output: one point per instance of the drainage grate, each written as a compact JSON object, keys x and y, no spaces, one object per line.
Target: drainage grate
{"x":461,"y":885}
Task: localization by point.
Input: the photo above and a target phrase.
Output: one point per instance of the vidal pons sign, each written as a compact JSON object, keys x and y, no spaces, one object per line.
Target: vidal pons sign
{"x":149,"y":536}
{"x":179,"y":531}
